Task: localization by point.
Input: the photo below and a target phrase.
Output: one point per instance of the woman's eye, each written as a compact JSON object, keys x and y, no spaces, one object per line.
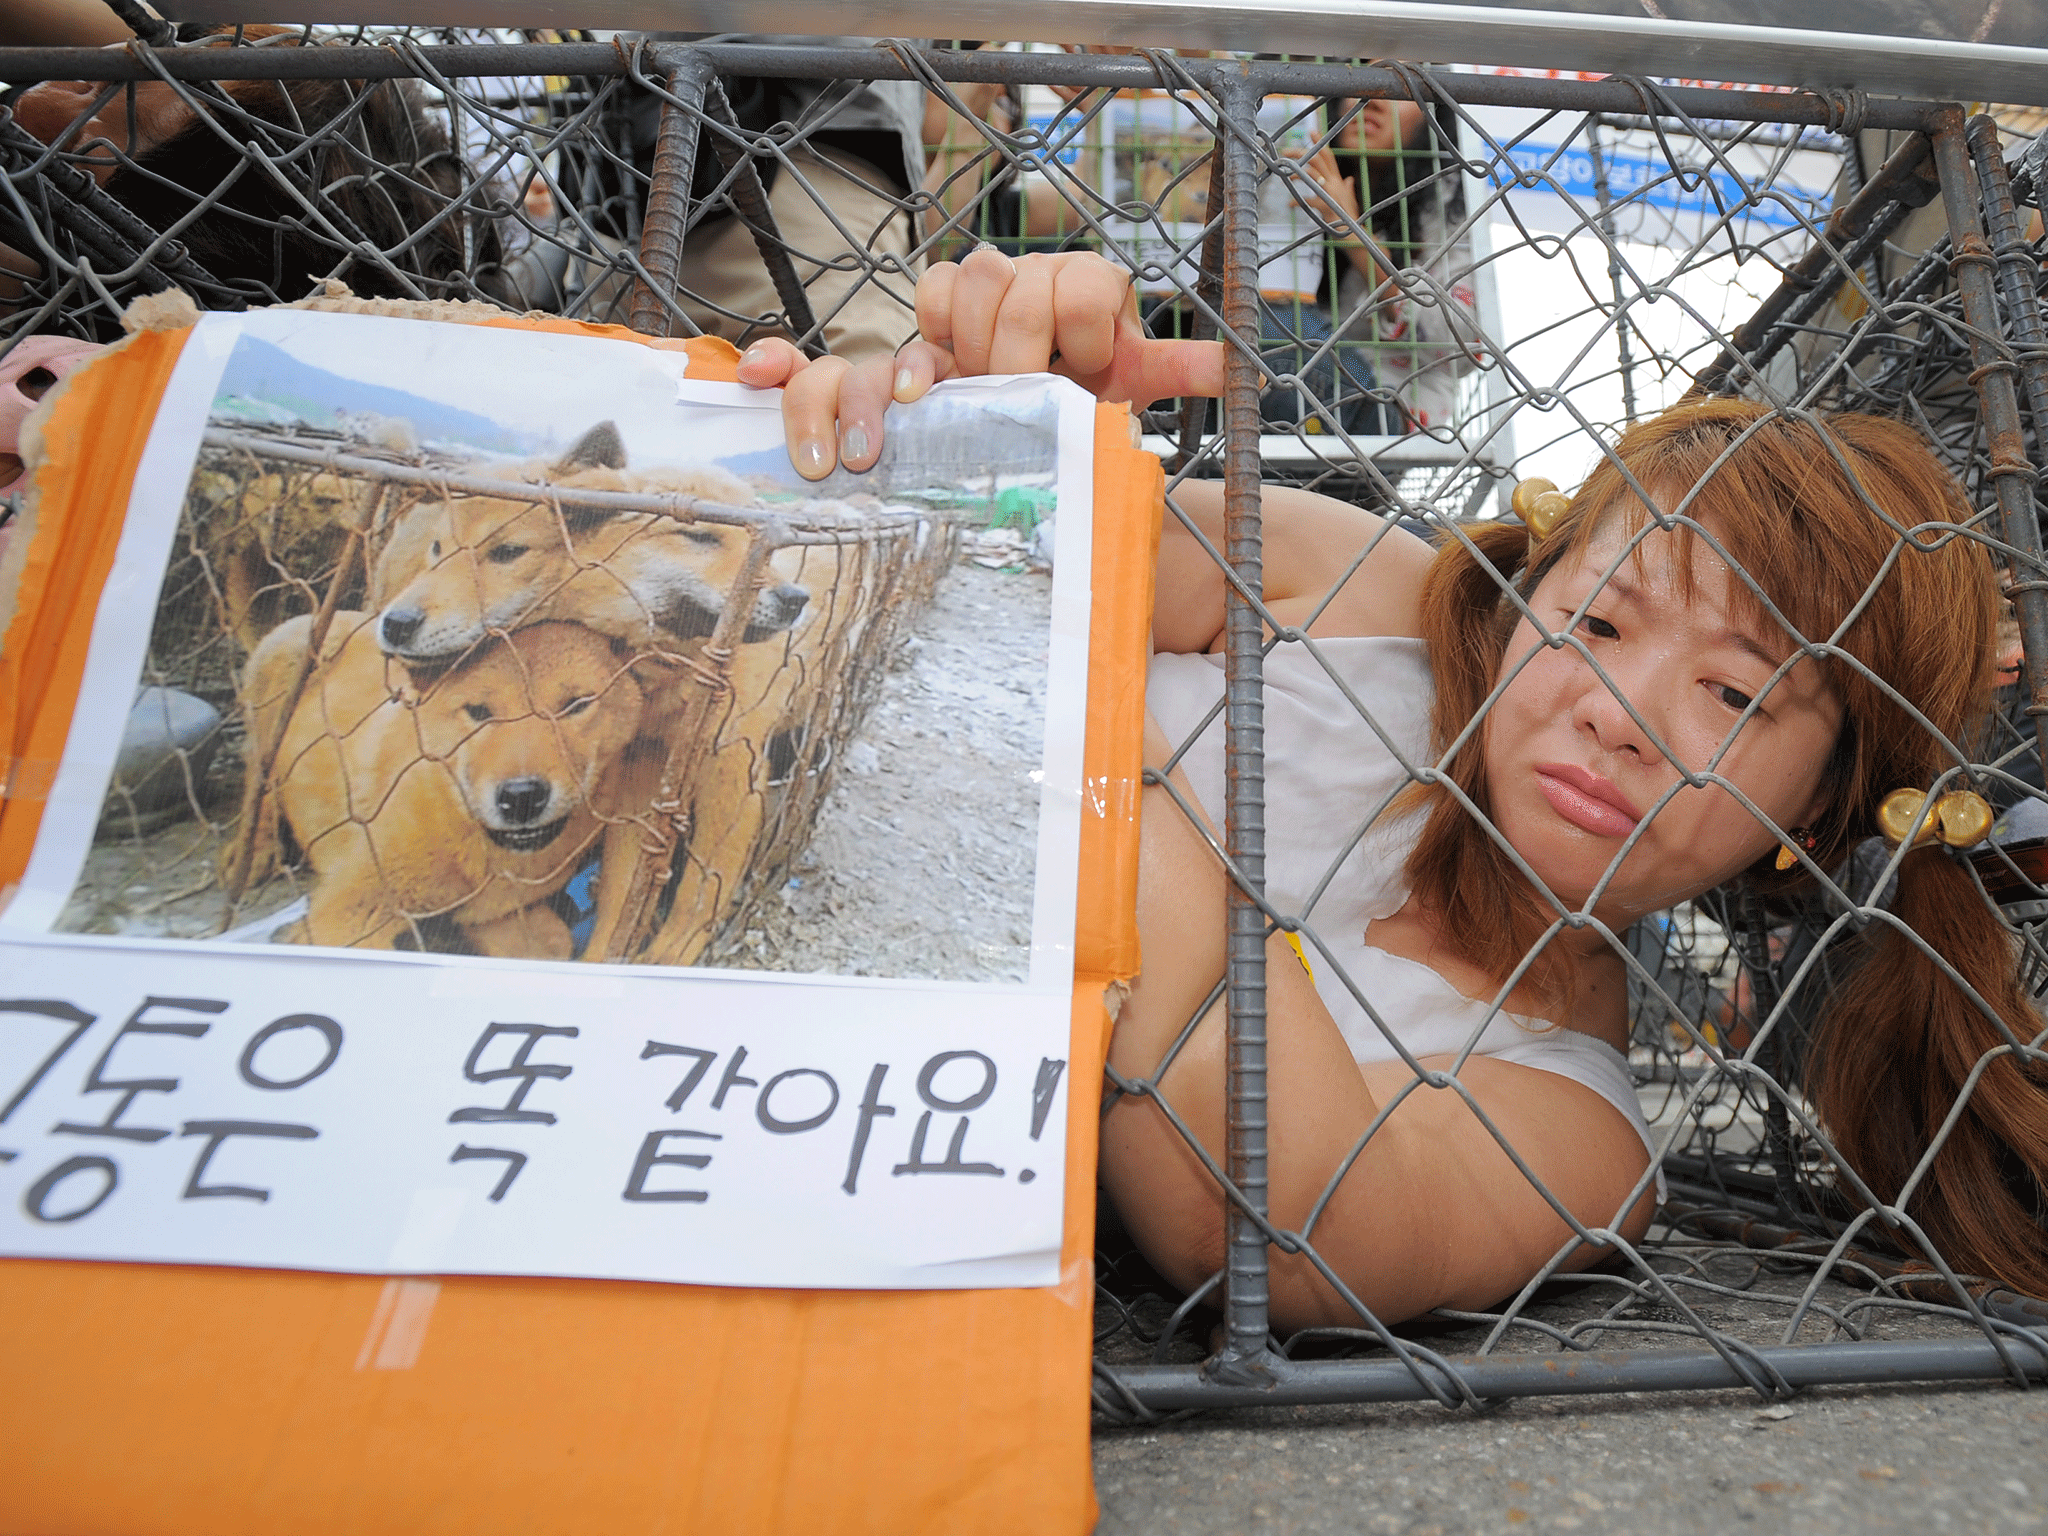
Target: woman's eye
{"x":577,"y":706}
{"x":1734,"y":698}
{"x":477,"y":712}
{"x":1599,"y":628}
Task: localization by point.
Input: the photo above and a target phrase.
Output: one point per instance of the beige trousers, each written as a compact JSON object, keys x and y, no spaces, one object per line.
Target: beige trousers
{"x":838,"y":230}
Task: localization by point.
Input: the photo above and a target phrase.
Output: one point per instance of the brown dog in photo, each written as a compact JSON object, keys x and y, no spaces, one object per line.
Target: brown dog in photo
{"x":445,"y":815}
{"x":456,"y":570}
{"x":771,"y":688}
{"x":252,"y":531}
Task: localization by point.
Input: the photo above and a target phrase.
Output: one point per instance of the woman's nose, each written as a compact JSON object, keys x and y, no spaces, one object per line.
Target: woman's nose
{"x":1602,"y":708}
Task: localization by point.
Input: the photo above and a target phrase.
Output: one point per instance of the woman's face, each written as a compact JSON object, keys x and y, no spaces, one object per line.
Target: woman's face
{"x":48,"y":110}
{"x":1381,"y":127}
{"x":1572,"y":773}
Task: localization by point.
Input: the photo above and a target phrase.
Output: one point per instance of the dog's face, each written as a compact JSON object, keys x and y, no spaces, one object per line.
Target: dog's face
{"x":646,"y":579}
{"x":527,"y":724}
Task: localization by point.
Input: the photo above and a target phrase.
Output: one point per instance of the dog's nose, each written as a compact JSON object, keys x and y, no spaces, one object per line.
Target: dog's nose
{"x":785,"y":602}
{"x":522,"y":801}
{"x":398,"y":627}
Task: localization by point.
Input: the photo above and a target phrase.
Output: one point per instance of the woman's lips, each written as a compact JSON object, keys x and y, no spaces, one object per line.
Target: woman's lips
{"x":1586,"y":800}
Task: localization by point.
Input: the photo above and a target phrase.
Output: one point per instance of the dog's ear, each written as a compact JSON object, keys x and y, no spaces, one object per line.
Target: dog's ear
{"x":599,"y":448}
{"x":581,"y":519}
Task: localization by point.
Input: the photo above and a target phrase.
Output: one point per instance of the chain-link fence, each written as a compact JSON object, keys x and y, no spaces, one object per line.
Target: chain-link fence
{"x":1818,"y":1157}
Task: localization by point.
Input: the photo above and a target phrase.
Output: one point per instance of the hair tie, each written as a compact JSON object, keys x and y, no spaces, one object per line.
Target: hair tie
{"x":1539,"y":504}
{"x":1960,"y":818}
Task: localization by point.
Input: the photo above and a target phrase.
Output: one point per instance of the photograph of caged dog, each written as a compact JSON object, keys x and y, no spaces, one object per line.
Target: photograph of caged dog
{"x":445,"y":814}
{"x":453,"y":573}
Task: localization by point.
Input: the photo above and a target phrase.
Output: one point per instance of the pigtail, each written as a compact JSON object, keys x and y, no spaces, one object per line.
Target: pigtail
{"x":1894,"y":1052}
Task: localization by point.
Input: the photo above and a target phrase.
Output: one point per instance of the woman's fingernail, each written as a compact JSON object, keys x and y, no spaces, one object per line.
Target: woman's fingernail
{"x":853,"y":444}
{"x":758,"y":352}
{"x":906,"y":381}
{"x":810,"y":458}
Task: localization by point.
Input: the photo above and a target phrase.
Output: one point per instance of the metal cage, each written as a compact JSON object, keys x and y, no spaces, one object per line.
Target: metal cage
{"x":590,"y":177}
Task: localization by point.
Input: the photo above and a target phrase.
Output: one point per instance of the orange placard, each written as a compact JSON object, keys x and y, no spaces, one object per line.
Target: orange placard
{"x":157,"y":1398}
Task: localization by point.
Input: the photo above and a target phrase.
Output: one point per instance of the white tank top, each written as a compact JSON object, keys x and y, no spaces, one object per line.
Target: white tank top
{"x":1342,"y":733}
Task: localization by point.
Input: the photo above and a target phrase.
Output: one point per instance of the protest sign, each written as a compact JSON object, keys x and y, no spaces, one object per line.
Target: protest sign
{"x":497,"y":729}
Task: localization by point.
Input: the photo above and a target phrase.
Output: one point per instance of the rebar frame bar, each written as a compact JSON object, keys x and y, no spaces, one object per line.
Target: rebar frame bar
{"x":1245,"y":1354}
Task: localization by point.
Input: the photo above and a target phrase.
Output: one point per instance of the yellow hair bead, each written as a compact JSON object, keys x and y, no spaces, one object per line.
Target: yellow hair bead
{"x":1961,"y":818}
{"x":1539,"y":504}
{"x":1965,"y":818}
{"x":1900,"y":810}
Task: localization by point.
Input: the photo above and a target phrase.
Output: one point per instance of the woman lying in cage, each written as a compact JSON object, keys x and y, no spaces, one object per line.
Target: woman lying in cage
{"x":1678,"y":654}
{"x":354,"y":181}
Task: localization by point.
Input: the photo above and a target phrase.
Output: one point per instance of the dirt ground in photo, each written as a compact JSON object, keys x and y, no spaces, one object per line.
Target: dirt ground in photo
{"x":923,"y":858}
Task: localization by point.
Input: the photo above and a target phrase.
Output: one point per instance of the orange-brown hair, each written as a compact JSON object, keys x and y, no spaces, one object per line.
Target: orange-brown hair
{"x":1819,"y":512}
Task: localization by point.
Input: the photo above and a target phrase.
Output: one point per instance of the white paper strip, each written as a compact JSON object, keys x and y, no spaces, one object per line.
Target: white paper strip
{"x":445,"y":1116}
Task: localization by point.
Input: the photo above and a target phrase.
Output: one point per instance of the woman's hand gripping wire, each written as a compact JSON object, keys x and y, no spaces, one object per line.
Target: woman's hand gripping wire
{"x":1073,"y":314}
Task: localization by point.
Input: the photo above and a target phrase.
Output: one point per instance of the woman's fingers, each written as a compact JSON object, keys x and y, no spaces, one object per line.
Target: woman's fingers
{"x":977,"y":301}
{"x":1167,"y":369}
{"x":832,"y":410}
{"x":771,"y":363}
{"x":810,"y":417}
{"x":1090,"y":297}
{"x":935,"y":302}
{"x":919,"y":365}
{"x":1075,"y":313}
{"x":1333,"y":186}
{"x":864,"y":394}
{"x":1023,"y":340}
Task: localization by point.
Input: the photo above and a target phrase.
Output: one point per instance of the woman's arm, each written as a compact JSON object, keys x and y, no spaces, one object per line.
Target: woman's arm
{"x":1433,"y":1213}
{"x":1338,"y":195}
{"x":1328,"y":567}
{"x":60,"y":24}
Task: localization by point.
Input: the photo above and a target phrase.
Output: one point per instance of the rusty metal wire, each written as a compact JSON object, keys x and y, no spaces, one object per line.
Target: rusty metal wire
{"x":1535,"y":264}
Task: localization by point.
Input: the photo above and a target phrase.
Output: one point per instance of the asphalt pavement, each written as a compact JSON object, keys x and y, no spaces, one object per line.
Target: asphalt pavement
{"x":1832,"y":1460}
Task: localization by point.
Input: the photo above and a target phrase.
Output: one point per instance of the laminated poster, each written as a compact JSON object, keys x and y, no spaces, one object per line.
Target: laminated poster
{"x":513,"y":825}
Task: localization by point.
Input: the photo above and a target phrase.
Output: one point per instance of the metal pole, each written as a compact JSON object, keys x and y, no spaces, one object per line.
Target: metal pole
{"x":1898,"y":187}
{"x":2017,"y":272}
{"x":668,"y":199}
{"x":2012,"y":476}
{"x":26,"y":66}
{"x":1605,"y":198}
{"x":750,"y":197}
{"x":1244,"y":1358}
{"x":1168,"y":1388}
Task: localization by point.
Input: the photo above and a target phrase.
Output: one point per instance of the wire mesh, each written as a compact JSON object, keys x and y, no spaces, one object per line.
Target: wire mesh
{"x":1431,"y":284}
